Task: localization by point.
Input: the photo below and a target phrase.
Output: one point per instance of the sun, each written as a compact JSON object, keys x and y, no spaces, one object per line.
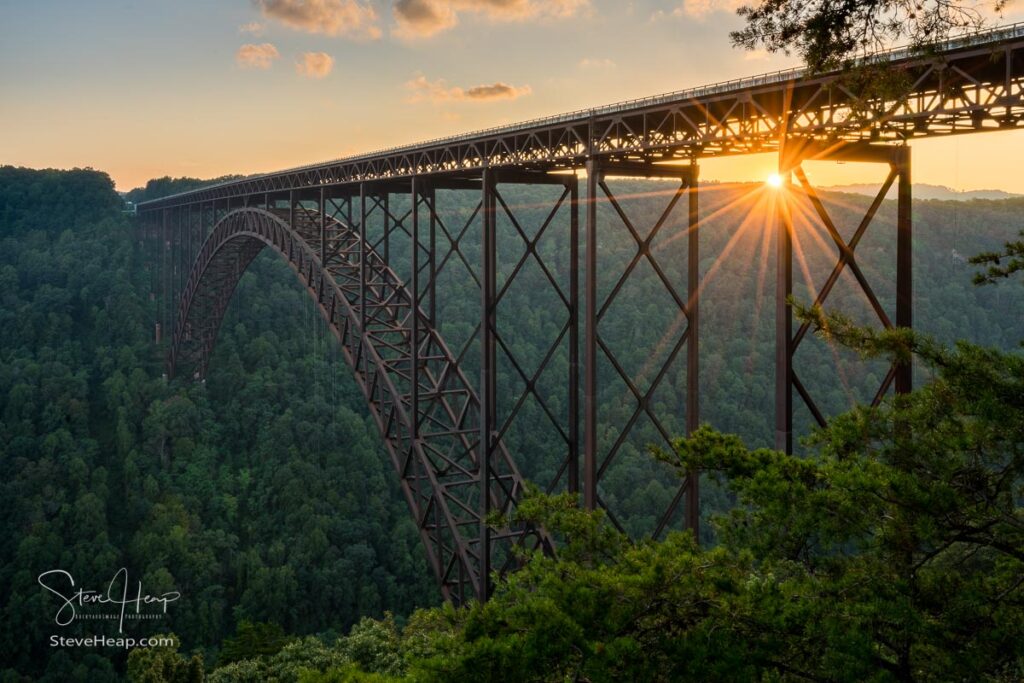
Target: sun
{"x":774,"y":181}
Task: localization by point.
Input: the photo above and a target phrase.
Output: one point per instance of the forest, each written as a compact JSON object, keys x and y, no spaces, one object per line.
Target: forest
{"x":889,"y":548}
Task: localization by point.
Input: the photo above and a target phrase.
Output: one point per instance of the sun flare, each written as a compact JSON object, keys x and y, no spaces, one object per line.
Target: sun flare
{"x":774,"y":180}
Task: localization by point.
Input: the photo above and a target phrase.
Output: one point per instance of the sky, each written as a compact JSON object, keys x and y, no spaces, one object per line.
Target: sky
{"x":143,"y":89}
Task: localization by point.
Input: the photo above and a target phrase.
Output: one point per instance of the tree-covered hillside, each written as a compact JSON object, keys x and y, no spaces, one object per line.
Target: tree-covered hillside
{"x":166,"y":186}
{"x":263,"y":495}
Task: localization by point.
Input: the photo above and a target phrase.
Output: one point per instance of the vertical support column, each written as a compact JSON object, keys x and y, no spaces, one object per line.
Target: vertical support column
{"x":195,"y":238}
{"x":349,"y":201}
{"x":590,"y":344}
{"x":904,"y":263}
{"x":175,"y":266}
{"x":291,"y":209}
{"x":693,"y":342}
{"x":432,"y":258}
{"x":176,"y":247}
{"x":195,"y":242}
{"x":165,"y":279}
{"x":182,"y":255}
{"x":488,"y":394}
{"x":574,"y":335}
{"x":323,"y":229}
{"x":784,"y":321}
{"x":414,"y":369}
{"x":386,"y":205}
{"x":187,"y":254}
{"x":183,"y":215}
{"x":362,"y":258}
{"x":172,"y":271}
{"x":158,"y":271}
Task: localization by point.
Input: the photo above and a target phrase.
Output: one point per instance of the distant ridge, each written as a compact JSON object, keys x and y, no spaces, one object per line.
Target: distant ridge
{"x":926,"y":191}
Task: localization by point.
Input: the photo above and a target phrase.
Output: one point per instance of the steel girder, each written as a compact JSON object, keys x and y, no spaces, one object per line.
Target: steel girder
{"x":497,"y":273}
{"x":787,"y":341}
{"x":640,"y":397}
{"x":971,"y":86}
{"x":431,"y":419}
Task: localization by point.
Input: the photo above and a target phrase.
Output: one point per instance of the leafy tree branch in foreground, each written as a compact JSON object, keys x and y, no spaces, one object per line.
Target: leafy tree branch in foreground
{"x":1012,"y":254}
{"x":828,"y":34}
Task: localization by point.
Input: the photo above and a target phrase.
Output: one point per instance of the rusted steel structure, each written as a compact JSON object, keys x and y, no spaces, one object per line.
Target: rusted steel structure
{"x":442,"y":427}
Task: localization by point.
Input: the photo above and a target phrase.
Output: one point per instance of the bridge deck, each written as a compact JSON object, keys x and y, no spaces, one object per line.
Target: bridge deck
{"x":967,"y":85}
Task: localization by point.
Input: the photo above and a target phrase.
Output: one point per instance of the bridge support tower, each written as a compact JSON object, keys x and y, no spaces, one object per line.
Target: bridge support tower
{"x":596,"y":307}
{"x":787,"y":340}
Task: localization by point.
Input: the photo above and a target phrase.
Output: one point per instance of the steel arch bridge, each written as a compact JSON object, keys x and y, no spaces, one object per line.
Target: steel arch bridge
{"x":374,"y":317}
{"x":370,"y":241}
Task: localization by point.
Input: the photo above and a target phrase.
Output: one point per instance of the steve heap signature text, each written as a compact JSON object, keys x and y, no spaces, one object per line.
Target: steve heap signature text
{"x":118,"y":594}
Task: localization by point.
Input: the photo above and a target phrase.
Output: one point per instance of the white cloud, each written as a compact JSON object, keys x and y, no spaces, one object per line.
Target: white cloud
{"x":700,"y":9}
{"x":314,"y":65}
{"x":253,"y":28}
{"x":425,"y":18}
{"x":421,"y":90}
{"x":261,"y":56}
{"x":349,"y":18}
{"x":422,"y":18}
{"x":596,"y":63}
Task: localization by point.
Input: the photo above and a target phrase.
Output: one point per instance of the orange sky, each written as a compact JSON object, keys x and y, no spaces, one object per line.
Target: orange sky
{"x":241,"y":87}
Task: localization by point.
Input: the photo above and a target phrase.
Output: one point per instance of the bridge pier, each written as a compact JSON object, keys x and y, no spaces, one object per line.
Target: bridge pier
{"x":792,"y":156}
{"x":488,"y":368}
{"x":410,"y":238}
{"x":595,"y":463}
{"x":494,"y":427}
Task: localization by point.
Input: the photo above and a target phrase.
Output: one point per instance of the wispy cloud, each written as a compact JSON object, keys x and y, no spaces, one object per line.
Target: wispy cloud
{"x":700,"y":9}
{"x":596,"y":63}
{"x":349,"y":18}
{"x":422,"y":90}
{"x":424,"y":18}
{"x":261,"y":56}
{"x":496,"y":91}
{"x":314,"y":65}
{"x":254,"y":28}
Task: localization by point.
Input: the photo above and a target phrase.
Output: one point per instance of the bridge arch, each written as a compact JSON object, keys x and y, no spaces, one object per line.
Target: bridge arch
{"x":425,"y":409}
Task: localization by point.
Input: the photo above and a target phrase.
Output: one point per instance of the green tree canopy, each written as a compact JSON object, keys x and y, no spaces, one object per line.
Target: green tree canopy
{"x":827,"y":33}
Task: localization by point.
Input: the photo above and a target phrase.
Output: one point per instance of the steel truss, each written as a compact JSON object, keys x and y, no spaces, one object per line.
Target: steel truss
{"x":430,"y":417}
{"x":445,"y":435}
{"x":787,"y":341}
{"x":596,"y":463}
{"x":443,"y":432}
{"x":967,"y":87}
